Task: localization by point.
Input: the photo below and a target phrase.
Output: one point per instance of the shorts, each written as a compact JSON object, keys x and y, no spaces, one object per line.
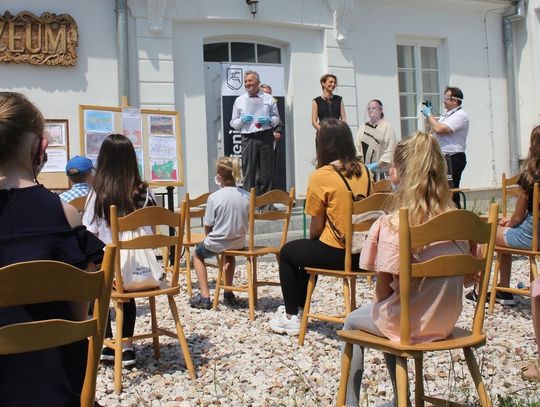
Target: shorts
{"x":520,"y":237}
{"x":203,"y":253}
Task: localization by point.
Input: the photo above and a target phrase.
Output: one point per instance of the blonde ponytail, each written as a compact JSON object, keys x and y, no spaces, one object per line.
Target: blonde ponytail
{"x":229,"y":169}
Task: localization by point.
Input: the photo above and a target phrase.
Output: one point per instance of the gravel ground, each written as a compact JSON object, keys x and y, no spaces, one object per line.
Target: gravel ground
{"x":242,"y":363}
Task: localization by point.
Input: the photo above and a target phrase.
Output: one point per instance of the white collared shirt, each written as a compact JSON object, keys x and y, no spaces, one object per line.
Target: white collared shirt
{"x":458,"y":121}
{"x":239,"y":109}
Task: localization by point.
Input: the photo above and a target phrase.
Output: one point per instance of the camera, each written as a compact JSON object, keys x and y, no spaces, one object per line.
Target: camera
{"x":427,"y":103}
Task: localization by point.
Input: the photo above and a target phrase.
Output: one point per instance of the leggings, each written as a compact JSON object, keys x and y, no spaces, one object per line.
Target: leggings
{"x":128,"y":325}
{"x":361,"y":319}
{"x":296,"y":255}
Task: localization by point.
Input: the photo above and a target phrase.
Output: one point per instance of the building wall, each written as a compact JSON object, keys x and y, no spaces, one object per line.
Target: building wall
{"x":59,"y":90}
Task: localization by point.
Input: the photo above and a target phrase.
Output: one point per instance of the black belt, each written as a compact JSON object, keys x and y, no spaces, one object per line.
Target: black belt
{"x":453,"y":154}
{"x":257,"y":133}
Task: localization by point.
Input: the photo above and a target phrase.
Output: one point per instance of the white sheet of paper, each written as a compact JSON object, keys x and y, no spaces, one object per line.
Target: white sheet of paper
{"x":255,"y":107}
{"x":56,"y":161}
{"x":162,"y":147}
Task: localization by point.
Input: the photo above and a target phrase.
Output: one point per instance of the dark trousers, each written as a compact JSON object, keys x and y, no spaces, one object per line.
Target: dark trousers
{"x":128,"y":326}
{"x":258,"y":161}
{"x":296,"y":255}
{"x":458,"y":161}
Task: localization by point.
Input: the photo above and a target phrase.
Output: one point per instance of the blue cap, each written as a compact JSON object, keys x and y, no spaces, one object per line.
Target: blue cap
{"x":78,"y":165}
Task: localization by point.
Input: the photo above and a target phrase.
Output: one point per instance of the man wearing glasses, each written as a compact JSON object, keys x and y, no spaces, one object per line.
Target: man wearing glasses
{"x":451,"y":131}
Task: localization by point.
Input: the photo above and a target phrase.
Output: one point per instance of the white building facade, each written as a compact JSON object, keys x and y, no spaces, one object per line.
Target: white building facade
{"x":400,"y":52}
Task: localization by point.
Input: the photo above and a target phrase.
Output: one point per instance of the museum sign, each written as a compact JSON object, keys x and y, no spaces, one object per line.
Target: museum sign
{"x":46,"y":40}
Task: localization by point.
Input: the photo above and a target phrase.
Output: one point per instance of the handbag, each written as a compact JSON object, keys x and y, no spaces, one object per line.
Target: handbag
{"x":358,"y":238}
{"x":140,"y":268}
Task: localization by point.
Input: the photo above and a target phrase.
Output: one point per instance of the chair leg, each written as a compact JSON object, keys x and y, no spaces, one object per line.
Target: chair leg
{"x":353,"y":294}
{"x":155,"y":334}
{"x":419,"y":381}
{"x":307,"y":307}
{"x":188,"y":271}
{"x":251,"y":298}
{"x":346,"y":296}
{"x":534,"y":268}
{"x":344,"y":378}
{"x":255,"y":283}
{"x":219,"y":281}
{"x":369,"y":280}
{"x":402,"y":382}
{"x":181,"y":337}
{"x":494,"y":284}
{"x":477,"y":377}
{"x":119,"y":310}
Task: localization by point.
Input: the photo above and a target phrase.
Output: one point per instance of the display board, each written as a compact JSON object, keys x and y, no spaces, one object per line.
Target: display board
{"x":53,"y":175}
{"x":155,"y":134}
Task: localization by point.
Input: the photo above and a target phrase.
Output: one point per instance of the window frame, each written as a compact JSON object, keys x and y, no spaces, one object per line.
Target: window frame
{"x":256,"y":47}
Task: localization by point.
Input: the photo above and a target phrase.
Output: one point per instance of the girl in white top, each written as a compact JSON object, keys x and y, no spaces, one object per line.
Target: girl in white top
{"x":376,"y":139}
{"x":225,"y":226}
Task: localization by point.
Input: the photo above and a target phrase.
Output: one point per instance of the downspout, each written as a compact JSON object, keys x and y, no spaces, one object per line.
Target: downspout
{"x":122,"y":49}
{"x":511,"y":83}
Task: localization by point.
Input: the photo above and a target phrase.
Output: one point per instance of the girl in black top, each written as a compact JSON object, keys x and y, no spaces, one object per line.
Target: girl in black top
{"x":328,"y":104}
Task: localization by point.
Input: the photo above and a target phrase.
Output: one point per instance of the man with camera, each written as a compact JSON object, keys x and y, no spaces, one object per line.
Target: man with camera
{"x":451,"y":130}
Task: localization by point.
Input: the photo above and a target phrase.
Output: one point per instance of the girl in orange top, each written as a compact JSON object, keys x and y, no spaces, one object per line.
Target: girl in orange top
{"x":419,"y":172}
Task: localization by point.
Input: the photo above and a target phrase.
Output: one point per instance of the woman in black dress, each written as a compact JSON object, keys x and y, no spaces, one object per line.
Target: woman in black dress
{"x":328,"y":104}
{"x":36,"y":225}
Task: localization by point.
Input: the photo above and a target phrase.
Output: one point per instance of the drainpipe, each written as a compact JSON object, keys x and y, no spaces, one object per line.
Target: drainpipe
{"x":511,"y":83}
{"x":121,"y":46}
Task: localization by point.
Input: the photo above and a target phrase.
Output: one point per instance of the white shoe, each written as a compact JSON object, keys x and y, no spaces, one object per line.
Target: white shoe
{"x":284,"y":325}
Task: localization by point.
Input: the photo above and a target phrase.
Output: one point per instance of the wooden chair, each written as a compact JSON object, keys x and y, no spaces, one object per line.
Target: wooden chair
{"x":453,"y":225}
{"x":78,"y":203}
{"x":383,"y":185}
{"x":511,"y":189}
{"x":252,"y":252}
{"x":195,"y":209}
{"x":153,"y":216}
{"x":375,"y":202}
{"x":43,"y":281}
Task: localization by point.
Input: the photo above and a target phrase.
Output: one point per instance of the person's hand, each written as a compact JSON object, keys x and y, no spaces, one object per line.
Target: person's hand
{"x":246,"y":118}
{"x":504,"y":222}
{"x":373,"y":166}
{"x":426,"y":110}
{"x":277,"y":136}
{"x":263,"y":120}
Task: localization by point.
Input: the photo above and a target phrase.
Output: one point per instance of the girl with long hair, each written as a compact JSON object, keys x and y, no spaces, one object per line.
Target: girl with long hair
{"x":326,"y":198}
{"x":117,"y":182}
{"x":419,"y":171}
{"x":36,"y":225}
{"x":225,"y":225}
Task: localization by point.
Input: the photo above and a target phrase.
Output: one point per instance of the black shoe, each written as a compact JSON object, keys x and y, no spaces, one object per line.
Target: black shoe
{"x":198,"y":301}
{"x":128,"y":357}
{"x":230,"y":299}
{"x":472,"y":295}
{"x":107,"y":354}
{"x":505,"y":298}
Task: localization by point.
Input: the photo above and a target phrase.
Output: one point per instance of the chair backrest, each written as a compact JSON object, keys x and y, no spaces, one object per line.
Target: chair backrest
{"x":195,"y":209}
{"x":274,"y":197}
{"x":383,"y":185}
{"x":153,"y":216}
{"x":452,"y":225}
{"x":43,"y":281}
{"x":510,"y":189}
{"x":78,"y":203}
{"x":375,"y":202}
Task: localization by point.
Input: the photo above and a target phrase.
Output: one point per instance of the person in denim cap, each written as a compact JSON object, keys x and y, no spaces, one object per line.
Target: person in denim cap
{"x":79,"y":172}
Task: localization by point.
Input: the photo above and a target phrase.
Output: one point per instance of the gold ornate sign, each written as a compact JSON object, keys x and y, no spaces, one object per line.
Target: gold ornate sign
{"x":46,"y":40}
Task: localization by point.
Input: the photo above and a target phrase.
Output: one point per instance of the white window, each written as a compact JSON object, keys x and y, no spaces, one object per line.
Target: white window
{"x":241,"y":52}
{"x":419,"y":80}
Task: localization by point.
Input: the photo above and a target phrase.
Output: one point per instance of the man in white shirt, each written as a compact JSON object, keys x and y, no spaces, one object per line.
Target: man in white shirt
{"x":451,"y":130}
{"x":255,"y":114}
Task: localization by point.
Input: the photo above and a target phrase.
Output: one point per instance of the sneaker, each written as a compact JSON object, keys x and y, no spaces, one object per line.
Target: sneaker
{"x":230,"y":299}
{"x":502,"y":298}
{"x":282,"y":324}
{"x":198,"y":301}
{"x":107,"y":354}
{"x":128,"y":357}
{"x":472,"y":295}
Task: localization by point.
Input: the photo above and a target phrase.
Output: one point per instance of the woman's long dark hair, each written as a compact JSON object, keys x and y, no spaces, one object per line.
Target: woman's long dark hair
{"x":532,"y":169}
{"x":117,"y":180}
{"x":335,"y":142}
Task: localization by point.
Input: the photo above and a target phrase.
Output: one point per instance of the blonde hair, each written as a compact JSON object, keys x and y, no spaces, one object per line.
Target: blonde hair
{"x":228,"y":168}
{"x":422,"y":183}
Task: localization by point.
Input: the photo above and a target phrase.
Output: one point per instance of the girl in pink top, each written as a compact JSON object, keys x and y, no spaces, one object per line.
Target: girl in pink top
{"x":419,"y":171}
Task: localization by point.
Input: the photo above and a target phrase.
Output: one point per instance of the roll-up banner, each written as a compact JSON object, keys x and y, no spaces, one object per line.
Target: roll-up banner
{"x":232,"y":86}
